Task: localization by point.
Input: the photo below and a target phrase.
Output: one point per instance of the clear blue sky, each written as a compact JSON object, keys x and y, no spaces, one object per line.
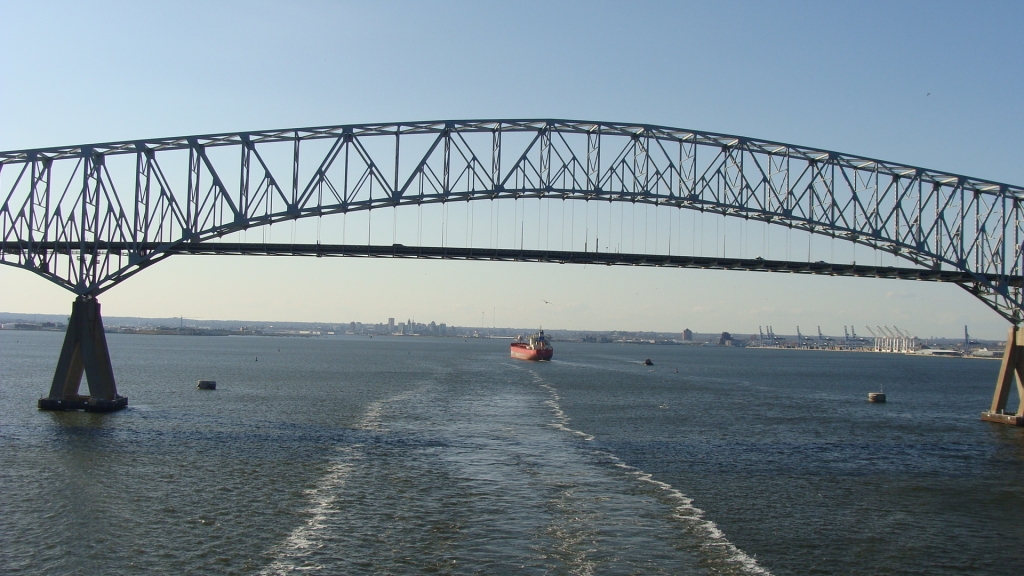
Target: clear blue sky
{"x":846,"y":76}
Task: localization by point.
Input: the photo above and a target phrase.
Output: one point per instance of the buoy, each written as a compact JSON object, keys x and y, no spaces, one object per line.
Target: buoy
{"x":207,"y":385}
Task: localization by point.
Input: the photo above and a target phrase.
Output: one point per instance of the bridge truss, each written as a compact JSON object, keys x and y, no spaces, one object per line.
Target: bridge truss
{"x":88,"y":217}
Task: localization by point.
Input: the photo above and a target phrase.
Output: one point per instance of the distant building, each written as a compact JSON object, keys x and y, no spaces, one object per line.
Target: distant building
{"x":391,"y":325}
{"x":687,"y":335}
{"x":725,"y":340}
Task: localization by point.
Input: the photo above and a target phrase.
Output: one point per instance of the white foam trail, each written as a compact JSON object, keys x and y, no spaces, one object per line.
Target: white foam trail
{"x":683,"y":510}
{"x":293,"y":554}
{"x":371,"y":418}
{"x":561,"y":420}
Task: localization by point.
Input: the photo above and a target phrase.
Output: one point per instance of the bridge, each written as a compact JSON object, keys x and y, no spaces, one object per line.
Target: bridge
{"x":88,"y":217}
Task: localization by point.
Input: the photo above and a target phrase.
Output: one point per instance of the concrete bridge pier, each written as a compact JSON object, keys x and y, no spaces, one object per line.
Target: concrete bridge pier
{"x":84,"y":351}
{"x":1011,"y":369}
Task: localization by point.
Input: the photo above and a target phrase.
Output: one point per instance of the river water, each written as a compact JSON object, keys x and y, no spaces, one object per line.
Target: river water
{"x":416,"y":455}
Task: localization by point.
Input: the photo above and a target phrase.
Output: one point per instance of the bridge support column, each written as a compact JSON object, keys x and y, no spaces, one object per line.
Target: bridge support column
{"x":1011,"y":369}
{"x":84,"y":351}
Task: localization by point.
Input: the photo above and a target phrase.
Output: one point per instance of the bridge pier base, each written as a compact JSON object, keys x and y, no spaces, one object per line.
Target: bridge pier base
{"x":1011,"y":369}
{"x":84,"y":351}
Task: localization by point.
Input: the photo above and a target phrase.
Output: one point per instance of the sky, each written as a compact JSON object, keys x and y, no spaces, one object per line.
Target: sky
{"x":932,"y":84}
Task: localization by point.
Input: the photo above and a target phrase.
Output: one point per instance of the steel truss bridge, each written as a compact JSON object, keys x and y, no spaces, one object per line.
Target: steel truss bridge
{"x":88,"y":217}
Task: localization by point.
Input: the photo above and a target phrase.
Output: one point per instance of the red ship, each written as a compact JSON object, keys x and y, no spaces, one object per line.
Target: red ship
{"x":536,"y":347}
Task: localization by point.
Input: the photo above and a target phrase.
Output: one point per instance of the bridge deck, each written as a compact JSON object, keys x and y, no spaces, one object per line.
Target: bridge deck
{"x":550,"y":256}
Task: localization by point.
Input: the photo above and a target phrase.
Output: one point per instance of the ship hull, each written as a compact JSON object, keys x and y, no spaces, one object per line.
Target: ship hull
{"x":522,"y":352}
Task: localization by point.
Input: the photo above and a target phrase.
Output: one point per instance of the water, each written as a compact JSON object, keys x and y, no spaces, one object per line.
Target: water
{"x":418,"y":455}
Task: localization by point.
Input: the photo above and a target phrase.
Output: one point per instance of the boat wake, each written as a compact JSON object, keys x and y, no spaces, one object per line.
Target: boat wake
{"x":296,"y":553}
{"x":561,"y":420}
{"x":719,"y":554}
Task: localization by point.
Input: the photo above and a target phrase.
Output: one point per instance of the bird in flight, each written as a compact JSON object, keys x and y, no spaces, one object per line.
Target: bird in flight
{"x":545,"y":301}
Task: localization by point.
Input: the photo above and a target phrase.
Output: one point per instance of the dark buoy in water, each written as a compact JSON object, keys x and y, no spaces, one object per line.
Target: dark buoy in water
{"x":648,"y":362}
{"x":257,"y":358}
{"x":207,"y":385}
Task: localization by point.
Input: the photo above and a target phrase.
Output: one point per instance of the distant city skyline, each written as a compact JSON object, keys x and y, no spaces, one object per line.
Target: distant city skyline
{"x":400,"y":328}
{"x":850,"y":78}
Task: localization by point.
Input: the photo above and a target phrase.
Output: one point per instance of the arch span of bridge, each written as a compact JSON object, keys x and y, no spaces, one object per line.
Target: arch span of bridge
{"x":88,"y":217}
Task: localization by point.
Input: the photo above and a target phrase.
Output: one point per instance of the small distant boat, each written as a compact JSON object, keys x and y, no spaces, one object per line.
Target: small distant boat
{"x":207,"y":385}
{"x":648,"y":362}
{"x":878,"y":397}
{"x":535,"y":347}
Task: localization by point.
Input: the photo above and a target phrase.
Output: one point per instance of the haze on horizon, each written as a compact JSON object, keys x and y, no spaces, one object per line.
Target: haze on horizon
{"x":934,"y":84}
